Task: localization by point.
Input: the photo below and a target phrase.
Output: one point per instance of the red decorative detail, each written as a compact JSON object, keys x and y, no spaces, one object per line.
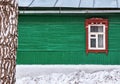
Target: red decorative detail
{"x":97,"y":21}
{"x":87,"y":40}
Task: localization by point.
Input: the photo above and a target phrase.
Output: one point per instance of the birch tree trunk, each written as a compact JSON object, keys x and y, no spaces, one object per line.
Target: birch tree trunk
{"x":8,"y":40}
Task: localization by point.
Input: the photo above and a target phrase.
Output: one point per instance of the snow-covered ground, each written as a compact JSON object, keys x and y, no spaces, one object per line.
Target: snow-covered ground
{"x":68,"y":74}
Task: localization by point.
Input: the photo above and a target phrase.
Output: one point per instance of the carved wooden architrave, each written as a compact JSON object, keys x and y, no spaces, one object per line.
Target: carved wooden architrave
{"x":97,"y":21}
{"x":8,"y":40}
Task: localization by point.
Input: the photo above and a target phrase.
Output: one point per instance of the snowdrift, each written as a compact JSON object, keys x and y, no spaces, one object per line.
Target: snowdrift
{"x":68,"y":74}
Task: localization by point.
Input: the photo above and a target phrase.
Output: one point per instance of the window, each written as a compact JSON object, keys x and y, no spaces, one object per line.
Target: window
{"x":96,"y":35}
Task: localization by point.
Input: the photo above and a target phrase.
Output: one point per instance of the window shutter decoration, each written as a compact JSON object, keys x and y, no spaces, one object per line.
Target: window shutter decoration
{"x":96,"y":35}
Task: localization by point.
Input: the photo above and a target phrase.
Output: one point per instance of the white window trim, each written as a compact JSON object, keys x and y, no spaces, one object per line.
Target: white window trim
{"x":96,"y":34}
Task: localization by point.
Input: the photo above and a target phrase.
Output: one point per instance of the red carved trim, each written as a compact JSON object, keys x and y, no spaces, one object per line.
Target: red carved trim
{"x":97,"y":51}
{"x":97,"y":21}
{"x":87,"y":40}
{"x":106,"y":33}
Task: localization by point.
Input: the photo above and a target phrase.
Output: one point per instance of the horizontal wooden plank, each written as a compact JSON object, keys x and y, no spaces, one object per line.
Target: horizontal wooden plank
{"x":61,"y":39}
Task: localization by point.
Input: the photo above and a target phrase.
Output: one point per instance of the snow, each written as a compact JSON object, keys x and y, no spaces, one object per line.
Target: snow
{"x":68,"y":74}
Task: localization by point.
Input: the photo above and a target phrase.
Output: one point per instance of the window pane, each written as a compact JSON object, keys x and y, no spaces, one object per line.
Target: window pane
{"x":100,"y":28}
{"x":100,"y":41}
{"x":96,"y":29}
{"x":93,"y":42}
{"x":93,"y":36}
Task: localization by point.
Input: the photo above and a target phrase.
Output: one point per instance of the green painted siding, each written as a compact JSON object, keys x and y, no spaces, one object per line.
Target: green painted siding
{"x":60,"y":39}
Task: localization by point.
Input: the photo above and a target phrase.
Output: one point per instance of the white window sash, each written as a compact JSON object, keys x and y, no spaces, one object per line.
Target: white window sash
{"x":96,"y":37}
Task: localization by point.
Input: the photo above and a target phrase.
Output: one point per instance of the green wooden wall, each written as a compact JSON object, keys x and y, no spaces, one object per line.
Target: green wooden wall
{"x":60,"y":39}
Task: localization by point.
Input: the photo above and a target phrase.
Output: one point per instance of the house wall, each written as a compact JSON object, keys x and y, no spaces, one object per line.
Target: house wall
{"x":60,"y":39}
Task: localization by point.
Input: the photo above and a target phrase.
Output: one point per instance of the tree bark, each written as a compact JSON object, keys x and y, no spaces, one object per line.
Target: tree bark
{"x":8,"y":40}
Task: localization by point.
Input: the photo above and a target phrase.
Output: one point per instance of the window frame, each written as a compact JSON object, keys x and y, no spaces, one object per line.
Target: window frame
{"x":96,"y":37}
{"x":97,"y":22}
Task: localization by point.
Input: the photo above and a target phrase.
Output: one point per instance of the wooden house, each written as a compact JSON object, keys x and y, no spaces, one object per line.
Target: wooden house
{"x":69,"y":32}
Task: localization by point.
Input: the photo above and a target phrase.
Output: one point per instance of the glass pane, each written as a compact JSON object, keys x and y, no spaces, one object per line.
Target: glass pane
{"x":100,"y":28}
{"x":100,"y":41}
{"x":96,"y":29}
{"x":92,"y":35}
{"x":93,"y":43}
